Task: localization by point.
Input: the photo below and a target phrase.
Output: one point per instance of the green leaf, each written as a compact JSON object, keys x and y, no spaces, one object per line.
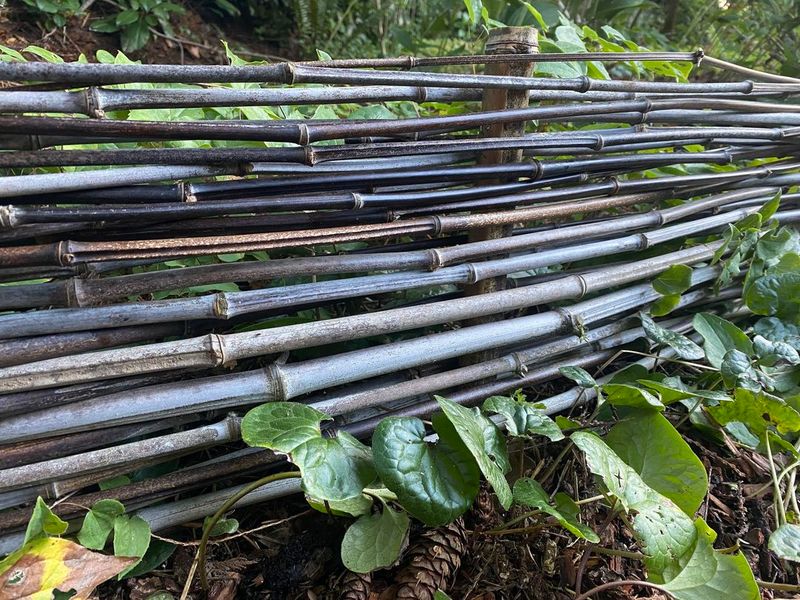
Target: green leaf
{"x":771,"y":207}
{"x":231,"y":257}
{"x":668,"y":391}
{"x":621,"y":394}
{"x":757,"y":410}
{"x":579,"y":376}
{"x":630,"y":374}
{"x":375,"y":541}
{"x":706,"y":574}
{"x":281,"y":426}
{"x":434,"y":482}
{"x":523,"y":418}
{"x":485,"y":443}
{"x":334,"y":469}
{"x":222,"y":527}
{"x":684,"y":347}
{"x":649,"y":444}
{"x":776,"y":330}
{"x":719,"y":336}
{"x":43,"y":522}
{"x":473,"y":10}
{"x":773,"y":245}
{"x":769,"y":353}
{"x":131,"y":538}
{"x":98,"y":523}
{"x":664,"y":530}
{"x":322,"y":55}
{"x":665,"y":305}
{"x":775,"y":295}
{"x":157,"y":554}
{"x":375,"y":111}
{"x":126,"y":17}
{"x":135,"y":36}
{"x":529,"y":492}
{"x":736,"y":370}
{"x":354,"y":507}
{"x":785,"y":542}
{"x":44,"y":54}
{"x":675,"y":280}
{"x":440,"y":595}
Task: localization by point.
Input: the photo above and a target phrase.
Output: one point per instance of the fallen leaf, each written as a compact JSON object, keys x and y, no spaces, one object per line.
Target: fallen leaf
{"x":46,"y":564}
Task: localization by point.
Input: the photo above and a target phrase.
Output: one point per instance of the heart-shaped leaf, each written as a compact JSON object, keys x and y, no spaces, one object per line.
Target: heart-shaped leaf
{"x":43,"y":522}
{"x":785,"y":542}
{"x":664,"y":530}
{"x":684,"y":347}
{"x":622,"y":394}
{"x":98,"y":523}
{"x":281,"y":426}
{"x":131,"y":538}
{"x":649,"y":444}
{"x":434,"y":482}
{"x":579,"y":376}
{"x":523,"y":418}
{"x":675,"y":280}
{"x":375,"y":541}
{"x":719,"y":336}
{"x":334,"y":469}
{"x":485,"y":442}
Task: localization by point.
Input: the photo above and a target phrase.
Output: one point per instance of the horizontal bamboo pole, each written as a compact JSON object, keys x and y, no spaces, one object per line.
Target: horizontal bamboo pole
{"x":73,"y":73}
{"x":70,"y":252}
{"x":208,"y":351}
{"x":94,"y":290}
{"x":226,"y":305}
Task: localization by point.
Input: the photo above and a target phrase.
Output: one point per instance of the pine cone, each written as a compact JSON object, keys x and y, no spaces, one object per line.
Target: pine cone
{"x":432,"y":562}
{"x":356,"y":586}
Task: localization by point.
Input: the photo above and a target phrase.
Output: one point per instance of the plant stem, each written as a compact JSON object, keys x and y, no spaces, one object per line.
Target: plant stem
{"x":780,"y":513}
{"x":613,"y":584}
{"x":780,"y":587}
{"x":201,"y":551}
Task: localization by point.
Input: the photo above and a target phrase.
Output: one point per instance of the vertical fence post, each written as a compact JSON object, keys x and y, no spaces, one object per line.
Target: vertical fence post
{"x":502,"y":40}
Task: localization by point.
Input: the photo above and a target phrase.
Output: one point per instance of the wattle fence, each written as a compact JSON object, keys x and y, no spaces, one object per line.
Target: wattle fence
{"x":158,"y":277}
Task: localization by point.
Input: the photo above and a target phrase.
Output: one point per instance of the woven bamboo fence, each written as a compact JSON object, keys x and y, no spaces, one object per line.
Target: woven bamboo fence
{"x":358,"y":265}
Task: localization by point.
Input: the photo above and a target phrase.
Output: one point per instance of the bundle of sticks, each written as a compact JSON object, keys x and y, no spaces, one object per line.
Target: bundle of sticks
{"x":152,"y":292}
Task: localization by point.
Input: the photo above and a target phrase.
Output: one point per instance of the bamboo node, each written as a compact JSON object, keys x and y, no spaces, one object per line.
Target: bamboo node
{"x":275,"y":383}
{"x":290,"y":72}
{"x":437,"y":225}
{"x":93,"y":106}
{"x":435,"y":259}
{"x":220,"y":306}
{"x":520,"y":368}
{"x":472,"y":274}
{"x":7,"y":220}
{"x":216,"y":349}
{"x":303,"y":134}
{"x":698,"y":56}
{"x":358,"y":201}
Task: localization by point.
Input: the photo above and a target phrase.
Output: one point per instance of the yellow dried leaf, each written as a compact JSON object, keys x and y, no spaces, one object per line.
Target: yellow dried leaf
{"x":46,"y":564}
